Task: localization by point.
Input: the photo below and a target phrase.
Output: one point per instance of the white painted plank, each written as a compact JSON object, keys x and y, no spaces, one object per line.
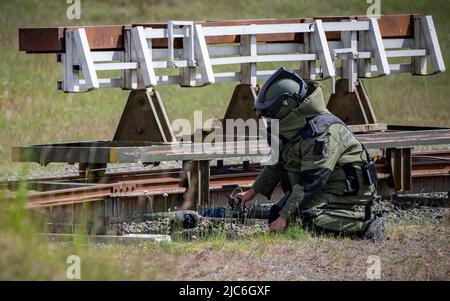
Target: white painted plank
{"x":432,"y":41}
{"x":279,"y":48}
{"x":105,"y":83}
{"x":188,"y":73}
{"x":256,"y":29}
{"x":365,"y":60}
{"x":347,"y":54}
{"x":406,"y":53}
{"x":143,"y":56}
{"x":346,"y":26}
{"x":376,"y":42}
{"x":218,"y":51}
{"x":162,"y":53}
{"x":106,"y":56}
{"x":321,"y":45}
{"x":115,"y":66}
{"x":157,"y":33}
{"x":202,"y":56}
{"x":398,"y":43}
{"x":165,"y":64}
{"x":262,"y":59}
{"x":85,"y":57}
{"x":70,"y":77}
{"x":394,"y":68}
{"x":420,"y":63}
{"x":248,"y":70}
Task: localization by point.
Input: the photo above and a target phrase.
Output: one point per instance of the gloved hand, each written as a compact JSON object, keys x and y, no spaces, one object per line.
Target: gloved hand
{"x":278,"y":225}
{"x":246,"y":196}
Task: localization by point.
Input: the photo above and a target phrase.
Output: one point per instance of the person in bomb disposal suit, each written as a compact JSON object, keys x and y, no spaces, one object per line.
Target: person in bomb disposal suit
{"x":328,"y":177}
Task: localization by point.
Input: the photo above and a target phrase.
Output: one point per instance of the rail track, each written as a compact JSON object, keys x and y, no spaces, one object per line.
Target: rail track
{"x":431,"y":166}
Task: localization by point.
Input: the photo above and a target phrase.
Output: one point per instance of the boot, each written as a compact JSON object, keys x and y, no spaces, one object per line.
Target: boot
{"x":375,"y":231}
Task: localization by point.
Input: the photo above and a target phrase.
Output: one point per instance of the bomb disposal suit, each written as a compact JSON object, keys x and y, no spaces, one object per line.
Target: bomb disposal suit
{"x":327,"y":175}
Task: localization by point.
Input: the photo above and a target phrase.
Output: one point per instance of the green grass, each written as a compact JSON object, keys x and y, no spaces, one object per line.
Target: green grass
{"x":33,"y":111}
{"x":27,"y":256}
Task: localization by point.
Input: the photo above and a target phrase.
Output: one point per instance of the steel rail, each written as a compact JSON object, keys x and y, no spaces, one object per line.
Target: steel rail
{"x":100,"y":38}
{"x":150,"y":185}
{"x":111,"y":152}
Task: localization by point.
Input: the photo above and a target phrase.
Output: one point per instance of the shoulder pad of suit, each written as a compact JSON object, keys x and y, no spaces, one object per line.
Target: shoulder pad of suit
{"x":318,"y":125}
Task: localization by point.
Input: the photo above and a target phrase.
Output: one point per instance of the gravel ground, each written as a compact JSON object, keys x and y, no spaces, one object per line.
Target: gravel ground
{"x":205,"y":227}
{"x":412,"y":214}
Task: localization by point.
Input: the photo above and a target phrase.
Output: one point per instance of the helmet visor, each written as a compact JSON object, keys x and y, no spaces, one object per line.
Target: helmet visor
{"x":269,"y":107}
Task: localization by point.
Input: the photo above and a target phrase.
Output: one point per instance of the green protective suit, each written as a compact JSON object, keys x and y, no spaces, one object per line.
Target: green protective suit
{"x":315,"y":171}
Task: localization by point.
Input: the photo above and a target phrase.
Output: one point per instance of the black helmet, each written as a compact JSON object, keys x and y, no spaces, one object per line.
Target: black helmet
{"x":277,"y":90}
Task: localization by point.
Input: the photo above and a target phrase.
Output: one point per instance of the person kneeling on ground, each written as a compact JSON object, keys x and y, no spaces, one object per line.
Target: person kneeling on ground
{"x":325,"y":172}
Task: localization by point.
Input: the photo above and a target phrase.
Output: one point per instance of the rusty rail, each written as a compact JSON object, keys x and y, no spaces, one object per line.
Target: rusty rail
{"x":51,"y":40}
{"x":431,"y":165}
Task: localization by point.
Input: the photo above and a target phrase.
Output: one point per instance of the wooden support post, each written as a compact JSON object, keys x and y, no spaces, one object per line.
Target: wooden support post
{"x":202,"y":168}
{"x":219,"y":163}
{"x":187,"y":74}
{"x":419,"y":62}
{"x":248,"y":71}
{"x":349,"y":72}
{"x":400,"y":163}
{"x":92,"y":172}
{"x":196,"y":180}
{"x":364,"y":65}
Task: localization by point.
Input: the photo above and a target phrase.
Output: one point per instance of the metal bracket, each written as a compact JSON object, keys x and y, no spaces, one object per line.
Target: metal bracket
{"x":353,"y":108}
{"x":241,"y":103}
{"x":144,"y":119}
{"x":122,"y":189}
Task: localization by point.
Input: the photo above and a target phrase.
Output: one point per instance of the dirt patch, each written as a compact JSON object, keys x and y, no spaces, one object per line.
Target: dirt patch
{"x":409,"y":252}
